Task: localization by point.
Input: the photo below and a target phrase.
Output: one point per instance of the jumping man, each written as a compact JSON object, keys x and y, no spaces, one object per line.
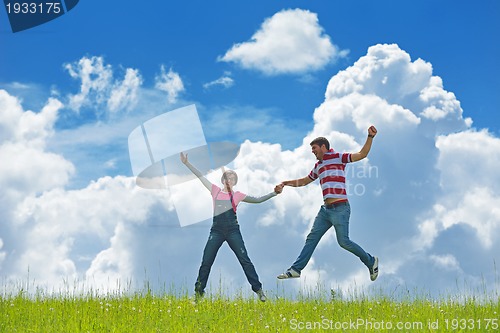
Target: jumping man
{"x":336,"y":209}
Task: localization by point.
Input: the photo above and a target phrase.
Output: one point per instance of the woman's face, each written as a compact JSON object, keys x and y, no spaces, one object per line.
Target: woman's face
{"x":229,"y":179}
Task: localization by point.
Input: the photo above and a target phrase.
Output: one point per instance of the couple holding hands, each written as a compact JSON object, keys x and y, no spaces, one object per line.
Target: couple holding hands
{"x":335,"y":211}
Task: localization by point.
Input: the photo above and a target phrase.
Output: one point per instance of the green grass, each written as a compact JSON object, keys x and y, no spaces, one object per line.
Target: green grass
{"x":315,"y":312}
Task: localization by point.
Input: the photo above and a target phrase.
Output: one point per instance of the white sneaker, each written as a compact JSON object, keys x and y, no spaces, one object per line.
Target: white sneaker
{"x":262,"y":296}
{"x":289,"y":274}
{"x":374,"y":270}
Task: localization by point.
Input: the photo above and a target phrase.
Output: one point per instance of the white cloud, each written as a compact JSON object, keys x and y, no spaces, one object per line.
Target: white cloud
{"x":123,"y":95}
{"x":30,"y":168}
{"x":468,"y":162}
{"x":27,"y":127}
{"x":61,"y":237}
{"x":27,"y":170}
{"x":431,"y":202}
{"x":406,"y":152}
{"x":95,"y":77}
{"x":291,"y":41}
{"x":113,"y":265}
{"x":226,"y":81}
{"x":478,"y":210}
{"x":3,"y":254}
{"x":430,"y":162}
{"x":170,"y":82}
{"x":446,"y":261}
{"x":471,"y":157}
{"x":99,"y":88}
{"x":79,"y":224}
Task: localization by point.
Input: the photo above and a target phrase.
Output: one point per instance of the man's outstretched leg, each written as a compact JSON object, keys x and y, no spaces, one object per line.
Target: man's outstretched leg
{"x":319,"y":228}
{"x":341,"y":224}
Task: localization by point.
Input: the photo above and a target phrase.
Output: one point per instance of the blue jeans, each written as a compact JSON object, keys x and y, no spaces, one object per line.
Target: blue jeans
{"x":338,"y":217}
{"x":225,"y":230}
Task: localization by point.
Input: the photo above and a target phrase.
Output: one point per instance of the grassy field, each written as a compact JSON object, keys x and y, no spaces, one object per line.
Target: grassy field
{"x":145,"y":312}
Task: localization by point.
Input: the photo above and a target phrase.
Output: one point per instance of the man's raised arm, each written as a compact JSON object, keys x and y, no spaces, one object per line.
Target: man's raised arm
{"x":372,"y":131}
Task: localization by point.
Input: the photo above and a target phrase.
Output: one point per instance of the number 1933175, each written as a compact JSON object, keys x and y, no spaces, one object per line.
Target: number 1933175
{"x":34,"y":8}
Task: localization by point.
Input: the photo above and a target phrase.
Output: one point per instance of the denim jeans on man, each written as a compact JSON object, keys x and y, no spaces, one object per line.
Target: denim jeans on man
{"x":225,"y":228}
{"x":336,"y":215}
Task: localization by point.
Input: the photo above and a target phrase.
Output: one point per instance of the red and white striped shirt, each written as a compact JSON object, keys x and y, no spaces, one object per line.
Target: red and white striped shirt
{"x":330,"y":172}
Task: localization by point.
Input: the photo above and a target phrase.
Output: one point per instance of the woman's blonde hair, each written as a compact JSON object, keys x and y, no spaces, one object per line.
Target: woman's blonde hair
{"x":227,"y":174}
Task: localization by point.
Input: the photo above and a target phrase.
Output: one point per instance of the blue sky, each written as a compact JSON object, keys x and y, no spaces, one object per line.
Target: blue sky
{"x":259,"y":80}
{"x":456,"y":37}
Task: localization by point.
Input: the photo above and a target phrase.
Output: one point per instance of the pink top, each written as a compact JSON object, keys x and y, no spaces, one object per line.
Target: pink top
{"x":218,"y":194}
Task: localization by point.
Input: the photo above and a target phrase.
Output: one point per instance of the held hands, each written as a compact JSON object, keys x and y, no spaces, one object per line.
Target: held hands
{"x":372,"y":131}
{"x":279,"y":188}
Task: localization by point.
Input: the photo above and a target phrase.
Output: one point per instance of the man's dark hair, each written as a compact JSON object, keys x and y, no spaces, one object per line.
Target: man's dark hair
{"x":321,"y":141}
